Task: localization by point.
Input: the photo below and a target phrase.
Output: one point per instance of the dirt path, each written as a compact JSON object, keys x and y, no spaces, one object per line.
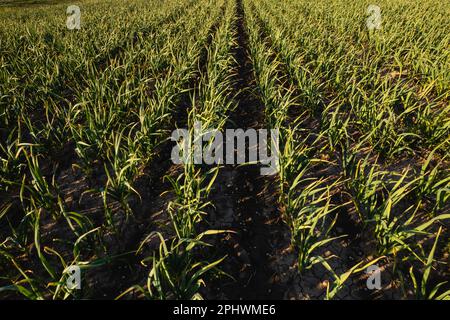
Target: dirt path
{"x":243,"y":200}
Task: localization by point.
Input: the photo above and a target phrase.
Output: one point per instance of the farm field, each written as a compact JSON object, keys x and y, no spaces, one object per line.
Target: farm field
{"x":357,"y":208}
